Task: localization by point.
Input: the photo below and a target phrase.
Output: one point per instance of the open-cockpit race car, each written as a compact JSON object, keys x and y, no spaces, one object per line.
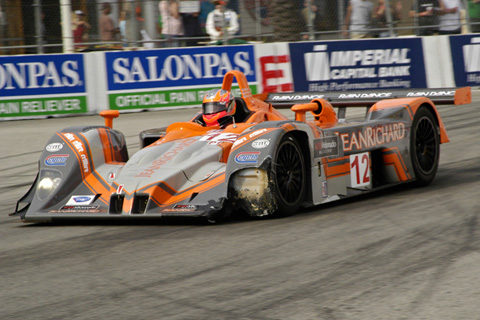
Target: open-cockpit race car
{"x":264,"y":163}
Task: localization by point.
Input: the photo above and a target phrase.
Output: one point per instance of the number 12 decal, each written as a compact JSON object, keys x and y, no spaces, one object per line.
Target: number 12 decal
{"x":360,"y":169}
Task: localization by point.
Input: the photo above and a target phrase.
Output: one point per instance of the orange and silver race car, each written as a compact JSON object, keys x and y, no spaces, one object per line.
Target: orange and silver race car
{"x":264,"y":163}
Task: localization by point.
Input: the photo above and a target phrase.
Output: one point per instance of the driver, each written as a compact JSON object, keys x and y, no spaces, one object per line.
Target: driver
{"x":218,"y":108}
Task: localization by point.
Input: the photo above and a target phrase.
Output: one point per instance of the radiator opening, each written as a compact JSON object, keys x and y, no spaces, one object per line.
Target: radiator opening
{"x":140,"y":202}
{"x":116,"y":203}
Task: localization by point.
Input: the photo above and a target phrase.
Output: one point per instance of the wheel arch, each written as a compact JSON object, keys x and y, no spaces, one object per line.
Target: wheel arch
{"x":427,"y":103}
{"x":414,"y":104}
{"x":303,"y":141}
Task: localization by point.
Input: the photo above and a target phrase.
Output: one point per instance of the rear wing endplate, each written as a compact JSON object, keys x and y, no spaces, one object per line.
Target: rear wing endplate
{"x":454,"y":96}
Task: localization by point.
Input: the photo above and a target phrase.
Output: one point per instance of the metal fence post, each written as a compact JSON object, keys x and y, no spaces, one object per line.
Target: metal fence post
{"x":388,"y":12}
{"x":415,"y":17}
{"x":341,"y":16}
{"x":38,"y":26}
{"x":311,"y":31}
{"x":467,"y":16}
{"x":67,"y":35}
{"x":258,"y":22}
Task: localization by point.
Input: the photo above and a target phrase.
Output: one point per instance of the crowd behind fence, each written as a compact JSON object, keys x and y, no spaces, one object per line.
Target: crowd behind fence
{"x":54,"y":26}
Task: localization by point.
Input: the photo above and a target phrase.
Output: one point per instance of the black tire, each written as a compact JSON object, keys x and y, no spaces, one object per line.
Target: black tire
{"x":424,"y":146}
{"x":288,"y":177}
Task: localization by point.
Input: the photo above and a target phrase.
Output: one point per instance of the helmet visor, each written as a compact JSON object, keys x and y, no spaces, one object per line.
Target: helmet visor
{"x":213,"y":107}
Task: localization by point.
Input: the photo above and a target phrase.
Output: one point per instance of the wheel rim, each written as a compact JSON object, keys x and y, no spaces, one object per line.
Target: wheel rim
{"x":289,"y":173}
{"x":426,"y":147}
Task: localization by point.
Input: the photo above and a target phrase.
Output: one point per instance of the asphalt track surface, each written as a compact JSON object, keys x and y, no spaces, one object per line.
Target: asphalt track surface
{"x":403,"y":253}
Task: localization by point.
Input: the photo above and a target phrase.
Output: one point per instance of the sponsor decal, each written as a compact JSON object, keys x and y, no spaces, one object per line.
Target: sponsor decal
{"x":111,"y":176}
{"x":81,"y":150}
{"x":256,"y":133}
{"x":216,"y":137}
{"x":297,"y":97}
{"x":120,"y":188}
{"x":260,"y":143}
{"x":239,"y":141}
{"x":373,"y":95}
{"x":326,"y":147}
{"x":208,"y":175}
{"x":324,"y":189}
{"x":166,"y":157}
{"x":56,"y":160}
{"x":76,"y":209}
{"x":181,"y":208}
{"x":247,"y":157}
{"x":80,"y":200}
{"x":372,"y":136}
{"x":431,"y":93}
{"x":54,"y":147}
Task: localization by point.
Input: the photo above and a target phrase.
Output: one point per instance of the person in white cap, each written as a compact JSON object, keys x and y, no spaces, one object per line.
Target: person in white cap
{"x":80,"y":33}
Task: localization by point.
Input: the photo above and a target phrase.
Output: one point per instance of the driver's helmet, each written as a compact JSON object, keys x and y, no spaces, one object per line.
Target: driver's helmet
{"x":218,"y":107}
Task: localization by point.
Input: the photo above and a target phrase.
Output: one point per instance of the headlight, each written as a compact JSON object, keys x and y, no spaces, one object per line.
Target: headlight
{"x":49,"y":182}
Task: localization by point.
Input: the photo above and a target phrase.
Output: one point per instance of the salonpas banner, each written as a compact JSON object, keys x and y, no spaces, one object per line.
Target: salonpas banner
{"x":42,"y":85}
{"x":173,"y":77}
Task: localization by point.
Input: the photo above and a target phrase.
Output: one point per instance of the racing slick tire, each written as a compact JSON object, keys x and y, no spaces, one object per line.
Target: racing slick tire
{"x":424,"y":146}
{"x":288,"y":177}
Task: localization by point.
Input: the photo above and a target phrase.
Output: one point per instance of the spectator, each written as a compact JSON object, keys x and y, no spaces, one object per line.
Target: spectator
{"x":222,"y":23}
{"x":80,"y":33}
{"x":357,"y":20}
{"x":380,"y":21}
{"x":172,"y":25}
{"x":449,"y":17}
{"x":122,"y":25}
{"x":107,"y":26}
{"x":147,"y":40}
{"x":205,"y":8}
{"x":315,"y":16}
{"x":426,"y":12}
{"x":474,"y":14}
{"x":191,"y":22}
{"x":159,"y":25}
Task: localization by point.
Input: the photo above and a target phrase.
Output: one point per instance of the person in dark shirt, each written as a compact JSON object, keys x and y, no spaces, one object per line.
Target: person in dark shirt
{"x":426,"y":12}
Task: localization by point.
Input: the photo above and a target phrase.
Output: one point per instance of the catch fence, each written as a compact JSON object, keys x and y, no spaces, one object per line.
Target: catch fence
{"x":49,"y":26}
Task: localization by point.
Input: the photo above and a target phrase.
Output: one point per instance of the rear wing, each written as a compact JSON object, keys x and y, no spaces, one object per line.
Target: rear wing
{"x":343,"y":99}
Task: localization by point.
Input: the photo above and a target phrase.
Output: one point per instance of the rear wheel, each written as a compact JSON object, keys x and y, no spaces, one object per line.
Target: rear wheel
{"x":288,"y":177}
{"x":424,"y":146}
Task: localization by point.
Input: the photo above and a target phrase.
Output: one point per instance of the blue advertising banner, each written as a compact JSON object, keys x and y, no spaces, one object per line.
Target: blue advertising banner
{"x":182,"y":67}
{"x":466,"y":59}
{"x":41,"y":75}
{"x":42,"y":85}
{"x":358,"y":65}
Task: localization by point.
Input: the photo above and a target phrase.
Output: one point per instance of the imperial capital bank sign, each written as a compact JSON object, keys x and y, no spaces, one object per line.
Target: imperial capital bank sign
{"x":357,"y":65}
{"x":465,"y":51}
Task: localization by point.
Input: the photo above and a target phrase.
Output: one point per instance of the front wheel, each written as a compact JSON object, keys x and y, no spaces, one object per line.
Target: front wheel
{"x":424,"y":146}
{"x":288,"y":177}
